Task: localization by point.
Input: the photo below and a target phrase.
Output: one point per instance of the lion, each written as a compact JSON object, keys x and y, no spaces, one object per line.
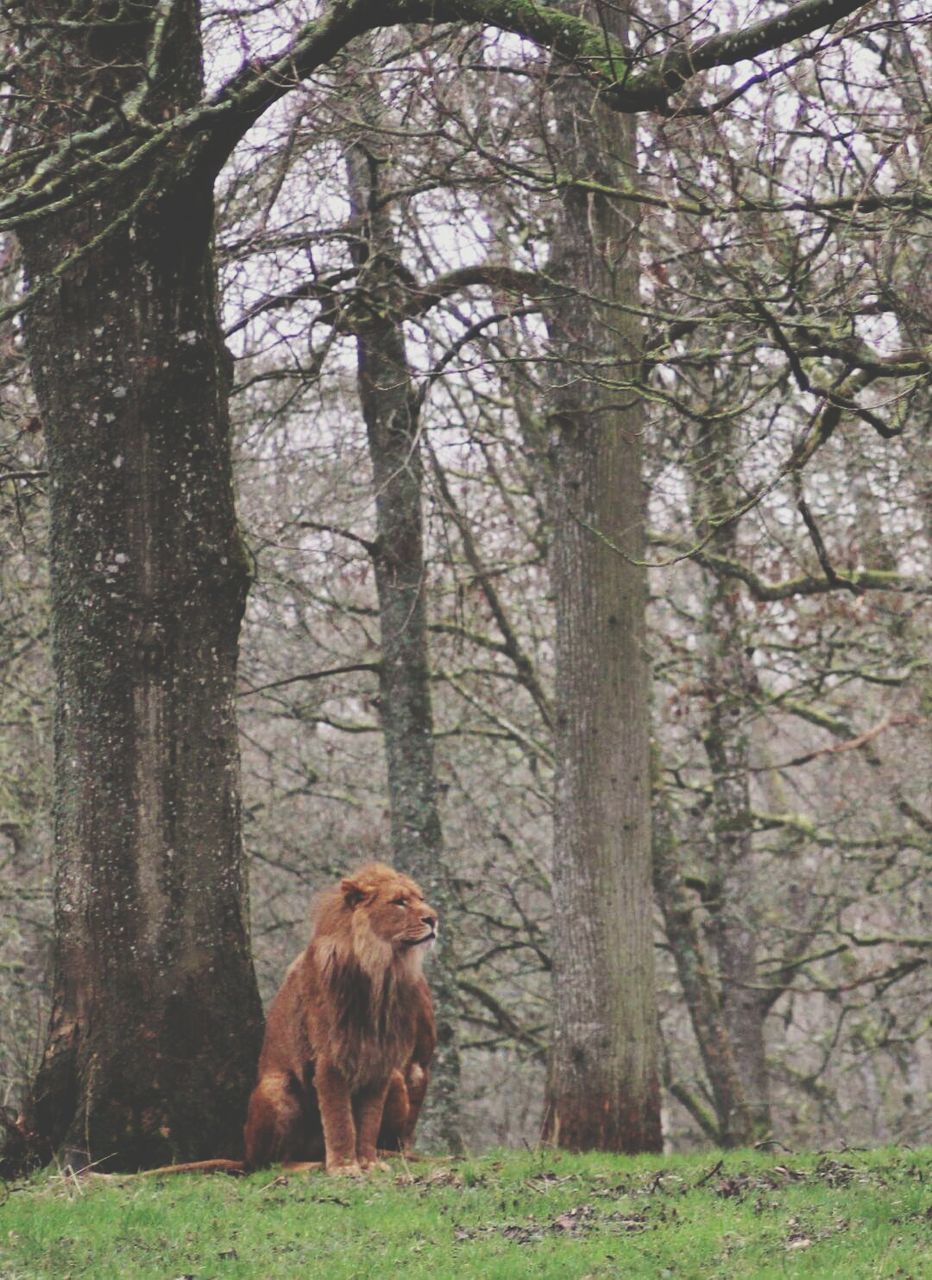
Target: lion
{"x":350,"y":1035}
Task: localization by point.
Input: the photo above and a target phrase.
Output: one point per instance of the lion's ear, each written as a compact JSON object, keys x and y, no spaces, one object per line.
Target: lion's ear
{"x":353,"y":892}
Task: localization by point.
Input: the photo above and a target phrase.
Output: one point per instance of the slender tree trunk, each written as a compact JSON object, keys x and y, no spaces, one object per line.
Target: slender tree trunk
{"x":603,"y":1090}
{"x":389,"y":403}
{"x":156,"y":1021}
{"x":730,"y":688}
{"x":731,"y":1121}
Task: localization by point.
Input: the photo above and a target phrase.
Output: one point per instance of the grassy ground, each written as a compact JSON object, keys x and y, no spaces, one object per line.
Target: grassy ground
{"x":849,"y":1216}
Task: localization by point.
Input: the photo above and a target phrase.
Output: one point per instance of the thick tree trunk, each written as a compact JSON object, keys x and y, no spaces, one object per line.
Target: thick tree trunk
{"x":389,"y":403}
{"x":156,"y":1021}
{"x":603,"y":1090}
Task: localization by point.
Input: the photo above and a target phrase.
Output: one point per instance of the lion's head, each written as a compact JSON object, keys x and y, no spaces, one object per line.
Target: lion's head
{"x":379,"y":917}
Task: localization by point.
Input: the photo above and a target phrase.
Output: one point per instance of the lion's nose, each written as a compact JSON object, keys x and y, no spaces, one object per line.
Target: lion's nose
{"x":430,"y":920}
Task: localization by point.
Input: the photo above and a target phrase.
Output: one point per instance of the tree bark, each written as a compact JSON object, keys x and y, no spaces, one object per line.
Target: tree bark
{"x":603,"y":1090}
{"x":389,"y":404}
{"x":156,"y":1021}
{"x":731,"y":1122}
{"x":730,"y":688}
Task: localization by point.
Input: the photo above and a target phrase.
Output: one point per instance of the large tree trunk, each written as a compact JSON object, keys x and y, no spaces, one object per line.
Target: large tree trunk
{"x":603,"y":1090}
{"x":156,"y":1020}
{"x":390,"y":408}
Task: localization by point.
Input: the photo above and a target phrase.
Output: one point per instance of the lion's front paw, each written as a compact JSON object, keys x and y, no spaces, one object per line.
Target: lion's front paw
{"x":374,"y":1165}
{"x":344,"y":1169}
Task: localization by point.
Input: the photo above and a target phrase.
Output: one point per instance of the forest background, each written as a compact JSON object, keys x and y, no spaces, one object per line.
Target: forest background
{"x":428,"y":188}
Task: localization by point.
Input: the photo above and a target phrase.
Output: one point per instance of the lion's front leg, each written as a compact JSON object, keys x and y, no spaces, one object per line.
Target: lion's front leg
{"x":336,"y":1114}
{"x":368,"y":1105}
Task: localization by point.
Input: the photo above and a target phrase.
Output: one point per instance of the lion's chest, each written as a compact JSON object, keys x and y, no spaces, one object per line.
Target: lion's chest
{"x":372,"y":1028}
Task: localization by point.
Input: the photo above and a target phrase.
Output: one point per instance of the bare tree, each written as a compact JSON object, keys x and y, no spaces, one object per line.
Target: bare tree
{"x":109,"y":186}
{"x":155,"y":1018}
{"x":604,"y":1089}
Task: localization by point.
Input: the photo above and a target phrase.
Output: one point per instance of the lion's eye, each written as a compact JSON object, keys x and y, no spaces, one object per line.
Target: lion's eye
{"x":400,"y":902}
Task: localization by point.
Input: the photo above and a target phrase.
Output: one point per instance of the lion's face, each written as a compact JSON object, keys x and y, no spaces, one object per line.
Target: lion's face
{"x":390,"y":909}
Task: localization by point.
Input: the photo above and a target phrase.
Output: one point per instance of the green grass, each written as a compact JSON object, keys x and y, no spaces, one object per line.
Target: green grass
{"x":849,"y":1215}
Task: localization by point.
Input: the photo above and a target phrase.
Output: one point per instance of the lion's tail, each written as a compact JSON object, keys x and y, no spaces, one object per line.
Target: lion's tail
{"x":234,"y":1167}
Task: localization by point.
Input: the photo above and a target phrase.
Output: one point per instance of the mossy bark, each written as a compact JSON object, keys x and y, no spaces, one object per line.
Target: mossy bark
{"x":156,"y":1020}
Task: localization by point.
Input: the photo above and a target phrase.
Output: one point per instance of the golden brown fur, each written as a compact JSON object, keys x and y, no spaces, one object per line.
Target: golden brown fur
{"x":350,"y":1034}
